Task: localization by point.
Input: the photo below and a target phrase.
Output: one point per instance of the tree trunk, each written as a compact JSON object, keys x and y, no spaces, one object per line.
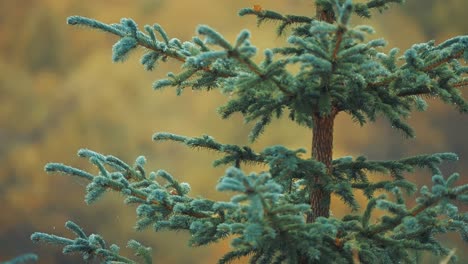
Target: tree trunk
{"x":322,"y":150}
{"x":322,"y":146}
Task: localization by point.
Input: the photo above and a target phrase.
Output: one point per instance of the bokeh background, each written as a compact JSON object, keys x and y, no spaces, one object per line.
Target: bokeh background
{"x":60,"y":92}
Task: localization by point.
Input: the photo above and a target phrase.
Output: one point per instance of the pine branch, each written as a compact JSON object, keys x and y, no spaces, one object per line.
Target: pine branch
{"x":92,"y":247}
{"x":363,"y":9}
{"x":460,"y":84}
{"x":234,"y":154}
{"x":442,"y":192}
{"x":356,"y":172}
{"x":269,"y":217}
{"x":121,"y":181}
{"x":269,"y":15}
{"x":255,"y":69}
{"x":426,"y":69}
{"x":168,"y":50}
{"x":142,"y":39}
{"x":381,"y":3}
{"x":162,"y":50}
{"x":443,"y":61}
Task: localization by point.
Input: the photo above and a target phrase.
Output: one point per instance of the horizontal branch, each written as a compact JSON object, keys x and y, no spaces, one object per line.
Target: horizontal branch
{"x":438,"y":63}
{"x":460,"y":84}
{"x":114,"y":185}
{"x":264,"y":15}
{"x":142,"y":39}
{"x":255,"y":69}
{"x":388,"y":80}
{"x":143,"y":196}
{"x":416,"y":210}
{"x":146,"y":42}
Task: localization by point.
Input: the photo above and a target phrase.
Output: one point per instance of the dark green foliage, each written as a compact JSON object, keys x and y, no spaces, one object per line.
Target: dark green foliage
{"x":339,"y":71}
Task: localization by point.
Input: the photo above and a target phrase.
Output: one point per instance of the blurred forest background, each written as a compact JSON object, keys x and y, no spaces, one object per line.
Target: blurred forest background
{"x":60,"y":92}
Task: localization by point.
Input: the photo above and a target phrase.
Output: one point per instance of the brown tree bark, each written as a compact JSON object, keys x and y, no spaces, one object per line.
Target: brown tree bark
{"x":322,"y":147}
{"x":322,"y":150}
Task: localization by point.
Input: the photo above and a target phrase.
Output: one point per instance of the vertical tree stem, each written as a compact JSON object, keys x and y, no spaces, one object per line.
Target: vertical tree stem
{"x":322,"y":146}
{"x":322,"y":150}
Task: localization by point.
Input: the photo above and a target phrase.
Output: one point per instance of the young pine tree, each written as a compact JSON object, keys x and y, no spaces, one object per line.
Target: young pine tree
{"x":282,"y":215}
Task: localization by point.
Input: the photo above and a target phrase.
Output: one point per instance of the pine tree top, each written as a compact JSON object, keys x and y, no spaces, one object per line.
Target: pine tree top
{"x":340,"y":71}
